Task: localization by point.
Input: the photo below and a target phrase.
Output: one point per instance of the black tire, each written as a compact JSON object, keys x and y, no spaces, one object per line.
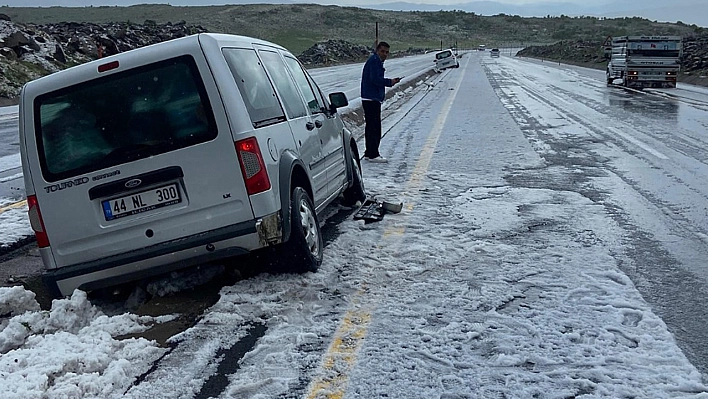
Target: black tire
{"x":610,"y":79}
{"x":355,"y":192}
{"x":303,"y":251}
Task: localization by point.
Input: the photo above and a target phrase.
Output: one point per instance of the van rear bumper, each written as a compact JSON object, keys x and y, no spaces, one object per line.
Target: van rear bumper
{"x":154,"y":260}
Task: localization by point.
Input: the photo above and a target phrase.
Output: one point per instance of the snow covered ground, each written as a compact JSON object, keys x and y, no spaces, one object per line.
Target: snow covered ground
{"x":477,"y":289}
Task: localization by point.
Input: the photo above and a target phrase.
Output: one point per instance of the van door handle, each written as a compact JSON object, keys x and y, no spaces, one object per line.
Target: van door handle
{"x":318,"y":123}
{"x":310,"y":125}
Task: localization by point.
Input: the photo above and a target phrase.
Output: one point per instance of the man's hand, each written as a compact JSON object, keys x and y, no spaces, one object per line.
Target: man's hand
{"x":396,"y":80}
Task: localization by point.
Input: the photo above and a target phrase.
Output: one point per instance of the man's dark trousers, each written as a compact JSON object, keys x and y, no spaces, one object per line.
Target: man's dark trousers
{"x":372,"y":131}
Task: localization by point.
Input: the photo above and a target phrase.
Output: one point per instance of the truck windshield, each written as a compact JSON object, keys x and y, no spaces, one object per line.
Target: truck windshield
{"x":653,"y":53}
{"x":129,"y":115}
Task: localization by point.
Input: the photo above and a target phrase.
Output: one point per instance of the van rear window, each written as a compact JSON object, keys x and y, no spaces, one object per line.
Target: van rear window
{"x":122,"y":117}
{"x":444,"y":54}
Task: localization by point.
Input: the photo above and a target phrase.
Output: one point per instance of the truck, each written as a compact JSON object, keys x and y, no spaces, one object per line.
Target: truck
{"x":644,"y":61}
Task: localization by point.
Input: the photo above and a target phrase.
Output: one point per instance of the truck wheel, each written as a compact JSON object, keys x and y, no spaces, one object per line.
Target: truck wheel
{"x":610,"y":79}
{"x":356,"y":191}
{"x":303,"y":251}
{"x":625,"y":82}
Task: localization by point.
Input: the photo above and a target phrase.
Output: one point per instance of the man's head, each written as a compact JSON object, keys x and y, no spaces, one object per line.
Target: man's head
{"x":382,"y":50}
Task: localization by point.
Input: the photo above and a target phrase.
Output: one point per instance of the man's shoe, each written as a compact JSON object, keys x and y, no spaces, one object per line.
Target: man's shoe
{"x":378,"y":159}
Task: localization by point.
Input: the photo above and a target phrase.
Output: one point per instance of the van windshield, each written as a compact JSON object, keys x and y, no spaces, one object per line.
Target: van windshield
{"x":444,"y":54}
{"x":122,"y":117}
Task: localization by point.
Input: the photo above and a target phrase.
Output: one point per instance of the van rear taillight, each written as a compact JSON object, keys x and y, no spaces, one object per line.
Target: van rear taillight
{"x":252,"y":166}
{"x":35,"y":217}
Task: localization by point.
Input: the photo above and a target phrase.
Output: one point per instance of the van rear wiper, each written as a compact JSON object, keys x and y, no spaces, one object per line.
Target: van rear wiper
{"x":132,"y":152}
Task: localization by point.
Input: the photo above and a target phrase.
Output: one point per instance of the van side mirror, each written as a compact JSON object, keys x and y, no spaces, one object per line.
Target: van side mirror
{"x":337,"y":100}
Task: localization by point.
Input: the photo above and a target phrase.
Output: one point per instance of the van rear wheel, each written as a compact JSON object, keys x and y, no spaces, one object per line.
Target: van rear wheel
{"x":303,"y":251}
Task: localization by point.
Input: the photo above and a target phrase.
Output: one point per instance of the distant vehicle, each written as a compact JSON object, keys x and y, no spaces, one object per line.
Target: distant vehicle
{"x":446,"y":59}
{"x":494,"y":52}
{"x":178,"y":154}
{"x":644,"y":61}
{"x":481,"y":47}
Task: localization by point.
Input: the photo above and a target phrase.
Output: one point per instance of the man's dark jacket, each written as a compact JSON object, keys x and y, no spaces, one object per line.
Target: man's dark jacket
{"x":373,"y":82}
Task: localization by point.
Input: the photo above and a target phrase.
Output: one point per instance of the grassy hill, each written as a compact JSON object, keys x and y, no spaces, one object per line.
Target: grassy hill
{"x":299,"y":26}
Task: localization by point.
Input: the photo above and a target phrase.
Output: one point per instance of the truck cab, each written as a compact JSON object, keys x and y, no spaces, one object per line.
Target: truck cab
{"x":645,"y":61}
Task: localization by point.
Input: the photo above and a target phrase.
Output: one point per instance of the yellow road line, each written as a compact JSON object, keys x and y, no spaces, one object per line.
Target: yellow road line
{"x":14,"y":205}
{"x":333,"y":378}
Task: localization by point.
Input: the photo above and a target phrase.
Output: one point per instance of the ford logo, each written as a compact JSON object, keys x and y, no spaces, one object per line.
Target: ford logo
{"x":133,"y":183}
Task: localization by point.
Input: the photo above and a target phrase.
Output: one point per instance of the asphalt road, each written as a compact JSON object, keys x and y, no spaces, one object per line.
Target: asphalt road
{"x":642,"y":155}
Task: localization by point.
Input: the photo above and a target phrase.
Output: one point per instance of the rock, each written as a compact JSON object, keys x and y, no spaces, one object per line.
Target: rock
{"x":332,"y":52}
{"x":18,"y":41}
{"x":8,"y":53}
{"x":59,"y":54}
{"x":45,"y":49}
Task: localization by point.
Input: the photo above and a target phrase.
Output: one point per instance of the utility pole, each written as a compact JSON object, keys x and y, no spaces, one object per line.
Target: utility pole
{"x":376,"y":43}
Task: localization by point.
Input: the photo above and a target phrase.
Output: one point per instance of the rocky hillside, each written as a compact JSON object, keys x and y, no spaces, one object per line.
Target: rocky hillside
{"x":332,"y":52}
{"x":297,"y":26}
{"x":694,"y":63}
{"x":31,"y":51}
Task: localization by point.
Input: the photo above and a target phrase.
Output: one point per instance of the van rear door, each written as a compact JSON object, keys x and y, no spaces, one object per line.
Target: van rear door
{"x":131,"y":151}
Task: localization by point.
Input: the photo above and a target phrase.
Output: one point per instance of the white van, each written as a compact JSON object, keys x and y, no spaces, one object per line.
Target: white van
{"x":177,"y":154}
{"x":446,"y":59}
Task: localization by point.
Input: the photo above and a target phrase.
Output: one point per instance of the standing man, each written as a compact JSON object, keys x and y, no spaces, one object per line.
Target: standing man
{"x":373,"y":92}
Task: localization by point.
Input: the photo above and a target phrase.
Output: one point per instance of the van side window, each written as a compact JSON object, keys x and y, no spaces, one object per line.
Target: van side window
{"x":284,"y":84}
{"x":307,"y":91}
{"x":255,"y":87}
{"x":322,"y":99}
{"x":122,"y":117}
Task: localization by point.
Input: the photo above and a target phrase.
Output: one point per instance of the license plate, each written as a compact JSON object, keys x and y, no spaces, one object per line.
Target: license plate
{"x":141,"y":202}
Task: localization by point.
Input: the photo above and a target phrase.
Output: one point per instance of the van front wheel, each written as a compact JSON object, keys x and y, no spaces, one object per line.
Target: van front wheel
{"x":303,"y":251}
{"x":356,"y":191}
